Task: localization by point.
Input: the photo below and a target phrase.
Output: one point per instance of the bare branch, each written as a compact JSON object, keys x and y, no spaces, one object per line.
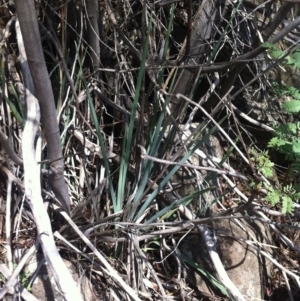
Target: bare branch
{"x":30,"y":30}
{"x":31,"y":155}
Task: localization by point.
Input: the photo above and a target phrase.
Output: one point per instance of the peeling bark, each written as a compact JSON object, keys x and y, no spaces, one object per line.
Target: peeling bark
{"x":33,"y":46}
{"x":31,"y":155}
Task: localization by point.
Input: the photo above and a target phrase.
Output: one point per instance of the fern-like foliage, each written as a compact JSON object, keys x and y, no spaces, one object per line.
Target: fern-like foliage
{"x":262,"y":162}
{"x":287,"y":140}
{"x":292,"y":106}
{"x":290,"y":59}
{"x":273,"y":196}
{"x":287,"y":195}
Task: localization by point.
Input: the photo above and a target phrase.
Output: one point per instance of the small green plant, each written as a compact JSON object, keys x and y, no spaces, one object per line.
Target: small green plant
{"x":2,"y":278}
{"x":290,"y":59}
{"x":287,"y":195}
{"x":262,"y":162}
{"x":286,"y":139}
{"x":24,"y":277}
{"x":292,"y":106}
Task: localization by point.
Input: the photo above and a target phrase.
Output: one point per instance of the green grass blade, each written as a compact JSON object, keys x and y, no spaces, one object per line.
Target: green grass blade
{"x":176,"y":204}
{"x":209,"y":276}
{"x":129,"y":129}
{"x":99,"y":135}
{"x":102,"y":145}
{"x":14,"y":111}
{"x":17,"y":99}
{"x":172,"y":172}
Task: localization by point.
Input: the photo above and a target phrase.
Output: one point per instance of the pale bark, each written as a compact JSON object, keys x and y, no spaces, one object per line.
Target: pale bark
{"x":34,"y":51}
{"x":31,"y":156}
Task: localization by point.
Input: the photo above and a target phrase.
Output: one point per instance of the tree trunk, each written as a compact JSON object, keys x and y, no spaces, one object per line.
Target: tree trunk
{"x":93,"y":15}
{"x":31,"y":156}
{"x":206,"y":21}
{"x":33,"y":46}
{"x":236,"y":71}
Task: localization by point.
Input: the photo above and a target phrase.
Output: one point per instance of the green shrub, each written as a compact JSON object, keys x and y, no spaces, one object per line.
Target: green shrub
{"x":286,"y":139}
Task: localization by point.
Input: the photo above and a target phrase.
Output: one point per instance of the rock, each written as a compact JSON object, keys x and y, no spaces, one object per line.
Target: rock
{"x":245,"y":267}
{"x":187,"y":180}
